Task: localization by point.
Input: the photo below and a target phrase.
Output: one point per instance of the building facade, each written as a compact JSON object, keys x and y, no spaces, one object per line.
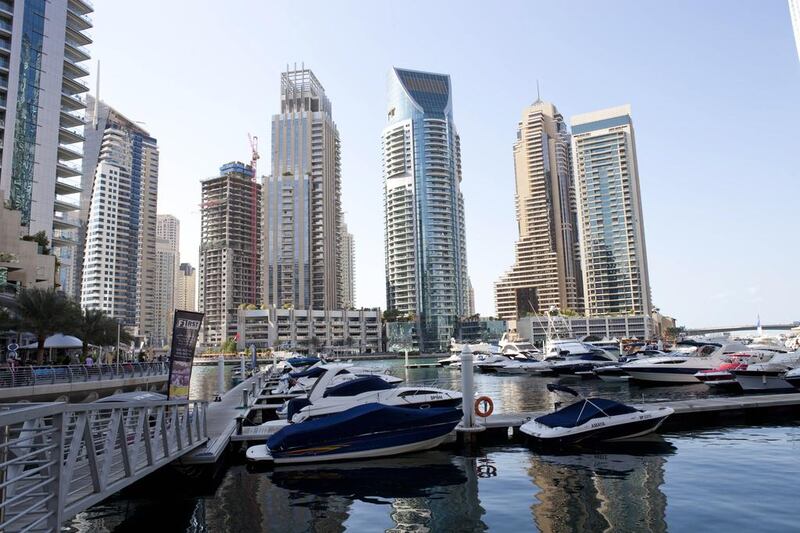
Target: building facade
{"x":348,"y":269}
{"x":229,"y":249}
{"x":22,"y":263}
{"x":794,"y":12}
{"x":546,"y":271}
{"x":185,"y":286}
{"x":426,"y":260}
{"x":302,"y":200}
{"x":119,"y":259}
{"x":356,"y":330}
{"x":167,"y":262}
{"x":42,"y":47}
{"x":612,"y":241}
{"x":534,"y":328}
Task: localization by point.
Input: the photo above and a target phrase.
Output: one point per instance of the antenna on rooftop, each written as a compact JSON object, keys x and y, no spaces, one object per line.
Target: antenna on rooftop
{"x":538,"y":94}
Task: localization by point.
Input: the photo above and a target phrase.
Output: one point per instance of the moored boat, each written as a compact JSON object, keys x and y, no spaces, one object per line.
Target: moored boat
{"x":372,"y":430}
{"x":593,"y":419}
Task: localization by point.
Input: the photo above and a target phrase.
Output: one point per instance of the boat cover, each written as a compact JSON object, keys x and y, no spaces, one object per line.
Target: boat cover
{"x":294,"y":405}
{"x":582,"y":411}
{"x":300,"y":361}
{"x":357,"y":386}
{"x":313,"y":372}
{"x":360,"y":420}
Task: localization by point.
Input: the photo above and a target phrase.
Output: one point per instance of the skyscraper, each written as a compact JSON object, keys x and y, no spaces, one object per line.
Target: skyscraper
{"x":546,"y":271}
{"x":167,"y":261}
{"x":612,"y":243}
{"x":348,"y":269}
{"x":119,"y":260}
{"x":185,"y":288}
{"x":227,"y":279}
{"x":42,"y":45}
{"x":302,"y":206}
{"x":426,"y":260}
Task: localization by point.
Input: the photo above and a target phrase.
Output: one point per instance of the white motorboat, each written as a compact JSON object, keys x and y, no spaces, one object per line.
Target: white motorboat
{"x":769,"y":376}
{"x":679,"y":368}
{"x":593,"y":419}
{"x":616,"y":374}
{"x":302,"y":381}
{"x":722,"y":376}
{"x":331,"y":395}
{"x":454,"y":359}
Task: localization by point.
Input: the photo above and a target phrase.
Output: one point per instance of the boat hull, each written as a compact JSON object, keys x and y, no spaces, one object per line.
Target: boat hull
{"x":262,"y":452}
{"x":663,"y":375}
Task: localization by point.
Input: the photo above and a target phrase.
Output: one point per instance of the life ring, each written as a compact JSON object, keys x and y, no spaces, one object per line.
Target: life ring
{"x":484,"y":400}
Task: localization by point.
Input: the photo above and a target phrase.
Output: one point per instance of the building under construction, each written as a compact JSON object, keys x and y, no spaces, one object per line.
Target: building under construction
{"x":229,"y":249}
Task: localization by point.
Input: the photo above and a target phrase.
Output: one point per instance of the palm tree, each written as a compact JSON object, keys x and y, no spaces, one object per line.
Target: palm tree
{"x":45,"y":312}
{"x":96,"y":327}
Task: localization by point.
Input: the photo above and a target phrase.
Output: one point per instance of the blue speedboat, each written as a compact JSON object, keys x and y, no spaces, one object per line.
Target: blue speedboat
{"x":365,"y":431}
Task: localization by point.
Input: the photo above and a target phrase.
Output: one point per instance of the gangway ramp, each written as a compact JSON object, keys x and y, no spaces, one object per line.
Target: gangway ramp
{"x":58,"y":459}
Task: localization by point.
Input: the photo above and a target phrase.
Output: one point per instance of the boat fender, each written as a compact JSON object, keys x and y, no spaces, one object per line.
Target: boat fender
{"x":482,"y":411}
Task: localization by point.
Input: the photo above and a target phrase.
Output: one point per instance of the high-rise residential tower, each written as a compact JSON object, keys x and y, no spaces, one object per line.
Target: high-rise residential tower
{"x":348,"y":269}
{"x":185,"y":288}
{"x":42,"y":46}
{"x":612,"y":243}
{"x":119,"y":259}
{"x":426,"y":260}
{"x":302,"y":206}
{"x":227,"y":279}
{"x":167,"y":261}
{"x":546,"y":271}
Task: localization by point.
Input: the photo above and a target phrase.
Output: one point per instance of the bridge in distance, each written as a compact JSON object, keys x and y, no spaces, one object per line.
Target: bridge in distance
{"x":749,"y":327}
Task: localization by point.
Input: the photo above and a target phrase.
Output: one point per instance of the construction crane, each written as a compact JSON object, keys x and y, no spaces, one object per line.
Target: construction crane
{"x":254,"y":218}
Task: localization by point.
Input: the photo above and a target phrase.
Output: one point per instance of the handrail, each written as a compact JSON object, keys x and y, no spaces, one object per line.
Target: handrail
{"x":24,"y":376}
{"x":58,"y":459}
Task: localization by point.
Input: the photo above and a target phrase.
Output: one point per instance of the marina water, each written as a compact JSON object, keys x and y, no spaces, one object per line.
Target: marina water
{"x":743,"y":477}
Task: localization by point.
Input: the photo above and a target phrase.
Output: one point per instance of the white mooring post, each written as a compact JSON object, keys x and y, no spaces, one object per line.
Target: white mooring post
{"x":220,"y":378}
{"x":406,"y":358}
{"x":467,"y":386}
{"x":242,"y":367}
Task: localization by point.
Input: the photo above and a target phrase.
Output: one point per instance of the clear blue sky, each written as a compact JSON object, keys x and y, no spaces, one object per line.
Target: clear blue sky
{"x":714,"y":86}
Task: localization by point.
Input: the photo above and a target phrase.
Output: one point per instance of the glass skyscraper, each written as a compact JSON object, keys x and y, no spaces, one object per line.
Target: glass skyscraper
{"x":612,"y":244}
{"x":426,"y":260}
{"x":302,"y":200}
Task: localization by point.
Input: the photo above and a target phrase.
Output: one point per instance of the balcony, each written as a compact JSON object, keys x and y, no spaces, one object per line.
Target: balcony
{"x":67,"y":154}
{"x":78,"y":21}
{"x":74,"y":70}
{"x":72,"y":102}
{"x":68,"y":120}
{"x":75,"y":51}
{"x":64,"y":186}
{"x":76,"y":38}
{"x":66,"y":136}
{"x":62,"y":221}
{"x":73,"y":87}
{"x":81,"y":6}
{"x":64,"y":205}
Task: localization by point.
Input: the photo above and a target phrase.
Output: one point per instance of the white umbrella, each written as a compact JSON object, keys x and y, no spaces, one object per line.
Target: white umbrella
{"x":59,"y":340}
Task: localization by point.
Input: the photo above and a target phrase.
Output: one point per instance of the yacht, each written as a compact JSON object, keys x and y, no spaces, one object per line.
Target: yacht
{"x":722,"y":376}
{"x":300,"y":382}
{"x":792,"y":377}
{"x":454,"y":359}
{"x":769,"y":376}
{"x":678,"y":368}
{"x":615,"y":373}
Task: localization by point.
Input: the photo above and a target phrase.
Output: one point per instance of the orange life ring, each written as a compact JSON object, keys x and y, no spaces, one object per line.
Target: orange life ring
{"x":484,"y":400}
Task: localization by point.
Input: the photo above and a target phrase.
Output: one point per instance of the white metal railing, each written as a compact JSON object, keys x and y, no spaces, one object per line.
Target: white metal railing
{"x":58,"y":459}
{"x":25,"y":376}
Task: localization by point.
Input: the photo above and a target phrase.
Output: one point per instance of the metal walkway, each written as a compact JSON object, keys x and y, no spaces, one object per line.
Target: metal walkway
{"x":42,"y":383}
{"x":58,"y":459}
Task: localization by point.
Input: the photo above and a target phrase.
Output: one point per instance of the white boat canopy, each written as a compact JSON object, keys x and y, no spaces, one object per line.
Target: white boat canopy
{"x":59,"y":340}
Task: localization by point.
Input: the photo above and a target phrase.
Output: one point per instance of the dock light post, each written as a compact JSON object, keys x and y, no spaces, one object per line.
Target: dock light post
{"x":467,"y":386}
{"x":220,"y":378}
{"x":242,"y":366}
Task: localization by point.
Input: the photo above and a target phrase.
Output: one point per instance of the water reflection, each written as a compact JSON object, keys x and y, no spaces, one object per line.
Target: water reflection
{"x":615,"y":491}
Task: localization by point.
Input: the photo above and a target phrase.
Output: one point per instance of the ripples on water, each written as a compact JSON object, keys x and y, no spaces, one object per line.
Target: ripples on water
{"x":719,"y":479}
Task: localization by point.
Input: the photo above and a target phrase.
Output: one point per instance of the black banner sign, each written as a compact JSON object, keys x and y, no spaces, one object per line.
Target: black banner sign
{"x":185,"y":329}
